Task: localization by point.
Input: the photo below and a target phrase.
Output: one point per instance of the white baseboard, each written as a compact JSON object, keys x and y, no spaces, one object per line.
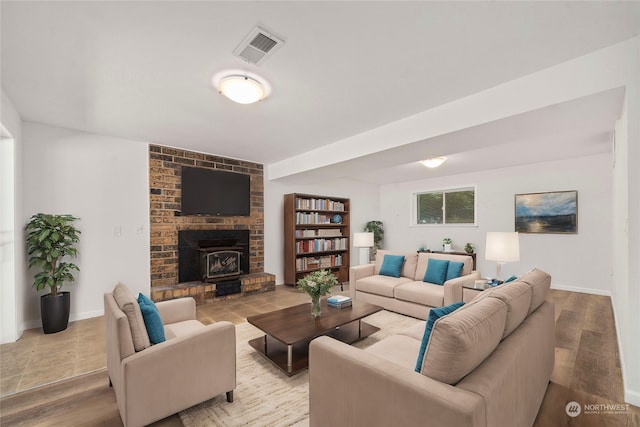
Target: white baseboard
{"x":581,"y":290}
{"x":37,"y":323}
{"x":632,"y":397}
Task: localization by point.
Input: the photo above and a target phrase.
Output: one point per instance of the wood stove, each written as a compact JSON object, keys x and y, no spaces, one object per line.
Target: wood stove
{"x":219,"y":258}
{"x":212,"y":255}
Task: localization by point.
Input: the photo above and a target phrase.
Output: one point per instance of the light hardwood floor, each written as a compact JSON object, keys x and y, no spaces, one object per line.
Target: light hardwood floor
{"x":587,"y":368}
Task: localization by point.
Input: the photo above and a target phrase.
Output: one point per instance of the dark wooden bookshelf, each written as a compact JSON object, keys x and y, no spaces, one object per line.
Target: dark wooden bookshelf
{"x":302,"y":217}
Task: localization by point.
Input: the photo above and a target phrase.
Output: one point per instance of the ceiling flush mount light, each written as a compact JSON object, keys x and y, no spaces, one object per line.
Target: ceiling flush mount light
{"x":433,"y":162}
{"x":241,"y":89}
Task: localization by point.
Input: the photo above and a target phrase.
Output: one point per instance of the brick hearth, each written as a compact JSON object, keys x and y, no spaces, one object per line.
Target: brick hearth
{"x":165,"y":171}
{"x":204,"y":293}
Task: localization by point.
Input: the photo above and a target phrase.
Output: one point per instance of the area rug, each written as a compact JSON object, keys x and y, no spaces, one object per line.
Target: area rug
{"x":265,"y":396}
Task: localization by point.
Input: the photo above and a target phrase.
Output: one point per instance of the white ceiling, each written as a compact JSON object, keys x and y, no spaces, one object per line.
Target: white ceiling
{"x":142,"y":71}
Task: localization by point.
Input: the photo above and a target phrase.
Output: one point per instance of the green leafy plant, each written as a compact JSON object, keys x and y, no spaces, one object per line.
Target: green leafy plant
{"x":49,"y":239}
{"x":469,"y":248}
{"x":318,"y":283}
{"x":375,"y":227}
{"x":446,"y":241}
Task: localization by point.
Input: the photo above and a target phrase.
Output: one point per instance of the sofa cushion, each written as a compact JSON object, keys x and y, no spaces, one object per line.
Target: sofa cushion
{"x":461,"y":341}
{"x":416,"y":331}
{"x":392,"y":265}
{"x":152,"y":319}
{"x":420,"y":293}
{"x":410,"y":262}
{"x":434,"y":314}
{"x":424,"y":257}
{"x":380,"y":285}
{"x":517,"y":297}
{"x":399,"y":349}
{"x":128,"y":304}
{"x":179,"y":329}
{"x":539,"y":281}
{"x":454,"y":270}
{"x":436,"y":271}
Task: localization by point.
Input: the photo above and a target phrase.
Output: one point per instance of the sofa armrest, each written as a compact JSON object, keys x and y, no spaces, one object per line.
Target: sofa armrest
{"x":358,"y":272}
{"x":453,"y":287}
{"x":351,"y":387}
{"x":178,"y":373}
{"x":177,"y":310}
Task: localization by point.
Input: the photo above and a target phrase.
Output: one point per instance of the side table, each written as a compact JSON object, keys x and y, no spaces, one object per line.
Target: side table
{"x":469,"y":293}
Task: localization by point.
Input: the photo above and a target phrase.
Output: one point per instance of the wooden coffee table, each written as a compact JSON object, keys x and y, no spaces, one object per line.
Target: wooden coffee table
{"x":289,"y":331}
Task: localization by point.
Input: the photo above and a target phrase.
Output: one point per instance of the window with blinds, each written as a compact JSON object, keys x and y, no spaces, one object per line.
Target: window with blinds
{"x":445,"y":207}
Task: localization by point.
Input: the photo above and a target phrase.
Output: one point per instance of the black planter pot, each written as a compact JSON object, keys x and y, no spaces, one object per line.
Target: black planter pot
{"x":54,"y":311}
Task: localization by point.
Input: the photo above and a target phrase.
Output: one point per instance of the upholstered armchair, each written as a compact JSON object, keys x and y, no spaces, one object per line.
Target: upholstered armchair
{"x":196,"y":362}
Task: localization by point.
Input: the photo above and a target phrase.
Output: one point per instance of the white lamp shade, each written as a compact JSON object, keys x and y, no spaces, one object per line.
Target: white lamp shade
{"x":362,"y":240}
{"x":502,"y":246}
{"x":241,"y":89}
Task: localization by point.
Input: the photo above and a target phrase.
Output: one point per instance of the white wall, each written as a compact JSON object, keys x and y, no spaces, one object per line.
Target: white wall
{"x":11,"y":277}
{"x":103,"y":181}
{"x":626,"y":232}
{"x":580,"y":261}
{"x":364,"y":202}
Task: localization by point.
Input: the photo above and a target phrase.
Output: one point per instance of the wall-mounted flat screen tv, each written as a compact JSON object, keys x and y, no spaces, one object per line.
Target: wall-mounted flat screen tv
{"x":215,"y":192}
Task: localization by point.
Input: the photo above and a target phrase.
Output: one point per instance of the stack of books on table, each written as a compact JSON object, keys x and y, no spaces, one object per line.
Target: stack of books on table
{"x":339,"y":301}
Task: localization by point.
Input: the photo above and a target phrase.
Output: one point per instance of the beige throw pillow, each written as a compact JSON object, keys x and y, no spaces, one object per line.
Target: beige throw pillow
{"x":517,"y":297}
{"x":460,"y":341}
{"x":129,"y":305}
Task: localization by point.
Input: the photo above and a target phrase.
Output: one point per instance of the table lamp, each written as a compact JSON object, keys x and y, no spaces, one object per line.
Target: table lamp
{"x":502,"y":247}
{"x":364,"y":241}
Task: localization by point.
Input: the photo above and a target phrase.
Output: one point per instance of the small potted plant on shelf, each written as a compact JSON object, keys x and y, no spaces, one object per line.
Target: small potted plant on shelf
{"x":316,"y":285}
{"x":51,"y":238}
{"x":446,"y":244}
{"x":469,"y":248}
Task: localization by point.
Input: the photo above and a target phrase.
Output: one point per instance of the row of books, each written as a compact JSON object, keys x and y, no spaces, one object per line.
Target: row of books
{"x":339,"y":301}
{"x":310,"y":263}
{"x":323,"y":232}
{"x":321,"y":245}
{"x":312,"y":218}
{"x":319,"y":204}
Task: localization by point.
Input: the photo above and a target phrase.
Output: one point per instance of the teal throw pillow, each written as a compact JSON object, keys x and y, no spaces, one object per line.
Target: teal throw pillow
{"x":152,"y":320}
{"x":392,"y":265}
{"x":434,"y":314}
{"x":510,"y":279}
{"x":436,"y":271}
{"x":454,"y":270}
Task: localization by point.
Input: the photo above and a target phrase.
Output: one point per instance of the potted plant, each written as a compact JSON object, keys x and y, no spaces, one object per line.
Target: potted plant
{"x":375,"y":227}
{"x":50,"y":238}
{"x":316,"y":285}
{"x":469,"y":248}
{"x":446,"y":244}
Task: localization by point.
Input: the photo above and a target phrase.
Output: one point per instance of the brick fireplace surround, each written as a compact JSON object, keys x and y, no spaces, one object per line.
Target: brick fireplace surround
{"x":165,"y":167}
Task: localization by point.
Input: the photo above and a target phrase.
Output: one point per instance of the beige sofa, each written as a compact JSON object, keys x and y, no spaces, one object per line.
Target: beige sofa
{"x":487,"y":364}
{"x":408,"y":294}
{"x":194,"y":364}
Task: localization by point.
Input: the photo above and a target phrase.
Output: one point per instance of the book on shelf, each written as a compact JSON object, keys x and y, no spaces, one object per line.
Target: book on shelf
{"x":325,"y":261}
{"x":321,"y":245}
{"x":319,"y":204}
{"x":329,"y":232}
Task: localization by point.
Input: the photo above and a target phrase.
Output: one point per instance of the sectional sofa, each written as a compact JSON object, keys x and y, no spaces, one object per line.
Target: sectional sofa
{"x":486,"y":364}
{"x":409,"y":293}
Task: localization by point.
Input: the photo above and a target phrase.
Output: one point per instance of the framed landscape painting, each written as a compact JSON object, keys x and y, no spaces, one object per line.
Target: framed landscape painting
{"x":552,"y":212}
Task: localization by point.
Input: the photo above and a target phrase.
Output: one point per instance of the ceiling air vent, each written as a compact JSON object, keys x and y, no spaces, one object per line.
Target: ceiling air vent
{"x":257,"y":46}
